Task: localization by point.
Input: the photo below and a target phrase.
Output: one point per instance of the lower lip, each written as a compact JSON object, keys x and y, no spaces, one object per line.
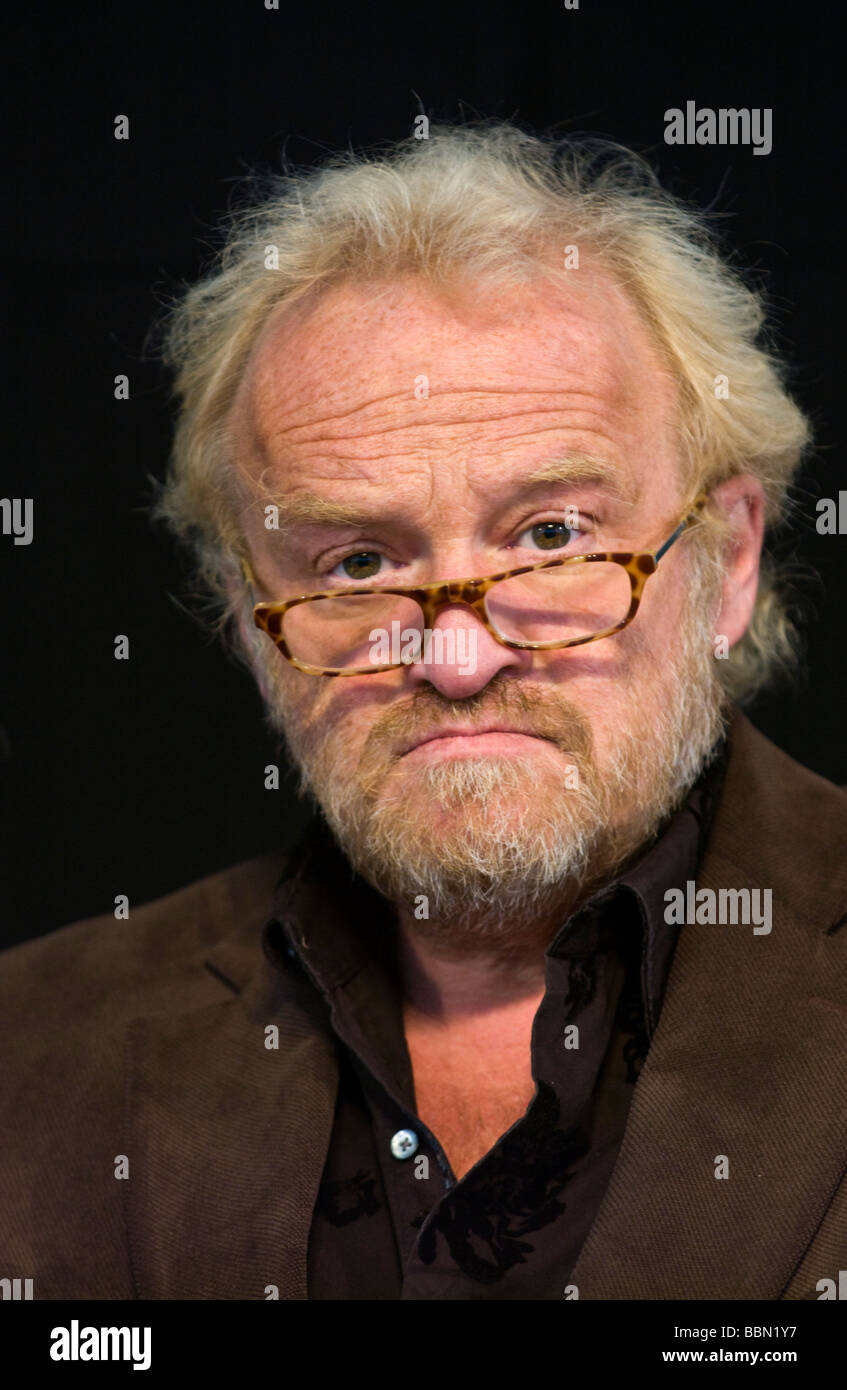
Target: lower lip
{"x":474,"y":745}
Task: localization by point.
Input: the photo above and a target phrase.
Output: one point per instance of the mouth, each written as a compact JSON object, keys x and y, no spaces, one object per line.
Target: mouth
{"x":453,"y":740}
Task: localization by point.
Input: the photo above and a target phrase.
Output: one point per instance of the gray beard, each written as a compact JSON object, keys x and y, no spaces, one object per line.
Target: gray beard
{"x":493,"y":878}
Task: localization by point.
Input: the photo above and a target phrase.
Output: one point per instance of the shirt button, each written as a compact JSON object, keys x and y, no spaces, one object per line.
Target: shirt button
{"x":404,"y":1143}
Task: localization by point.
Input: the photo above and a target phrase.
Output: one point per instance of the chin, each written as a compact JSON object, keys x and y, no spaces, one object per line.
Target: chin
{"x":473,"y":786}
{"x":480,"y":806}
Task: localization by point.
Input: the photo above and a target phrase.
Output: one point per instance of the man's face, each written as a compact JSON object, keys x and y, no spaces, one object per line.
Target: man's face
{"x":428,"y":419}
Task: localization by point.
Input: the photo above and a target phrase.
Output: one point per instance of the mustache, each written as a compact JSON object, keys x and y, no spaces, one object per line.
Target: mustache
{"x":532,"y":711}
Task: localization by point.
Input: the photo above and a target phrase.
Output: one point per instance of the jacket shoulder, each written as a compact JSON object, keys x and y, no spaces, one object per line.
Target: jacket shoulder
{"x":783,"y":826}
{"x":783,"y":791}
{"x":105,"y":965}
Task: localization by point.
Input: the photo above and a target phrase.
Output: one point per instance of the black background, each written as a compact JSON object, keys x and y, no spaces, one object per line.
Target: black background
{"x":137,"y":777}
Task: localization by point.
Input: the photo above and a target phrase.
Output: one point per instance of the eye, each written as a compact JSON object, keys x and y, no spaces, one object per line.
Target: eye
{"x":548,"y":535}
{"x":364,"y":564}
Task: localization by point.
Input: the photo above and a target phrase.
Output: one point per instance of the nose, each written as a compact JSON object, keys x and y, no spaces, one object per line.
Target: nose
{"x":460,"y":657}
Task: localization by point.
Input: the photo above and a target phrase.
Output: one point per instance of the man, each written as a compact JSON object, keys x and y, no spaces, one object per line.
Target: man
{"x":550,"y":1003}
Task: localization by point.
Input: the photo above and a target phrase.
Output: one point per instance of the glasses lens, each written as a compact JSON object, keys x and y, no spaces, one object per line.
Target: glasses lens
{"x":558,"y":605}
{"x":368,"y":630}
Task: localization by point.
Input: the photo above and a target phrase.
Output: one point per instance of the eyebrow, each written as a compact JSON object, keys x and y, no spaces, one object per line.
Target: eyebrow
{"x":575,"y":467}
{"x":578,"y":467}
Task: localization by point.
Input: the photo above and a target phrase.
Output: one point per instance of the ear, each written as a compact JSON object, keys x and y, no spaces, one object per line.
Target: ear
{"x":742,"y":501}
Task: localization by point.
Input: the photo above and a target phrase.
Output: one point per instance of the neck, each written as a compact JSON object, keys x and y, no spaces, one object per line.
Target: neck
{"x":446,"y":986}
{"x":476,"y":960}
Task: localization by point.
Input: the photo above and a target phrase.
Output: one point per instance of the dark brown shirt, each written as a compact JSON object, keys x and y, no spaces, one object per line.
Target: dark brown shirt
{"x":391,"y":1221}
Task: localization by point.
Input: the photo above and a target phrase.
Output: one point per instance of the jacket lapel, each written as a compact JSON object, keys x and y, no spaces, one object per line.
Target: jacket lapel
{"x":741,"y":1062}
{"x":227,"y":1139}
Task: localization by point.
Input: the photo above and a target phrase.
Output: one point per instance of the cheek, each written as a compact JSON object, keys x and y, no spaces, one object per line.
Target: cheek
{"x":301,"y":699}
{"x":587,"y":674}
{"x":611,"y":682}
{"x":339,"y":712}
{"x":660,"y":615}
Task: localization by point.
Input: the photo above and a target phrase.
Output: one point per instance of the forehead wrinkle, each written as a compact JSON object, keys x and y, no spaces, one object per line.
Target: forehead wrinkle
{"x":327,"y":366}
{"x":287,"y":432}
{"x":277,"y":418}
{"x":420,"y":448}
{"x":305,"y":506}
{"x":428,"y":415}
{"x":297,"y":396}
{"x":309,"y":508}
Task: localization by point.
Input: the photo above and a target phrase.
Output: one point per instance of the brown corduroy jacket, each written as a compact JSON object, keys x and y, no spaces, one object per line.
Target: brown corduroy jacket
{"x":146,"y":1039}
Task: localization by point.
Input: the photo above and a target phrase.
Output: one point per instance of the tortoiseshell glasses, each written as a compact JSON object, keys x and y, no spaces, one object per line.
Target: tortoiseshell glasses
{"x":543,"y":607}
